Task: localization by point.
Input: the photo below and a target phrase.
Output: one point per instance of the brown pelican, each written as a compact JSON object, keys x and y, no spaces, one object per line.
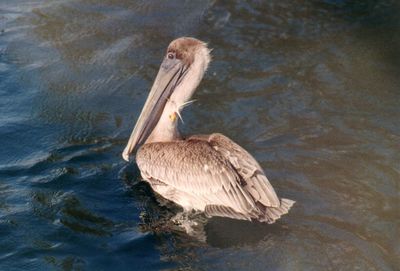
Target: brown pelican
{"x":208,"y":173}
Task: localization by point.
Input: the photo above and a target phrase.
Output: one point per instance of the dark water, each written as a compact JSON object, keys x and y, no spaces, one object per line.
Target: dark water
{"x":311,"y":88}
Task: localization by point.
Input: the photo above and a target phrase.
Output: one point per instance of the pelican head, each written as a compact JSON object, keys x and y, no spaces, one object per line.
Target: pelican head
{"x":181,"y":71}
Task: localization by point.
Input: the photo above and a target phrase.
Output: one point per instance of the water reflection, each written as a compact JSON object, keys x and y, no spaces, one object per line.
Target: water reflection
{"x":161,"y":217}
{"x":310,"y":88}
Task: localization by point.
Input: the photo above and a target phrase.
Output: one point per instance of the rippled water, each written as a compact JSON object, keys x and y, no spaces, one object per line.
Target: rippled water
{"x":311,"y":88}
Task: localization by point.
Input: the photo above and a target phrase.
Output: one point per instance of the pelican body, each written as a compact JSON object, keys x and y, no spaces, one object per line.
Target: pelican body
{"x":208,"y":173}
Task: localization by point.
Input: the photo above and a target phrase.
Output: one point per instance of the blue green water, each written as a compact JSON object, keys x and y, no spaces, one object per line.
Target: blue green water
{"x":310,"y":88}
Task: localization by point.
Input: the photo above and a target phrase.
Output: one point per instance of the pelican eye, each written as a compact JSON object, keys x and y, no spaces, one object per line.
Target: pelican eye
{"x":171,"y":55}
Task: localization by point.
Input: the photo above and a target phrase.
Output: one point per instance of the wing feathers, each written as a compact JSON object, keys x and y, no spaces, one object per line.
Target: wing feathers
{"x":214,"y":174}
{"x":248,"y":168}
{"x":195,"y":168}
{"x":218,"y":210}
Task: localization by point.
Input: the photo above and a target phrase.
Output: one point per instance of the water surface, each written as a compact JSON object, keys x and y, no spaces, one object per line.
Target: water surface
{"x":311,"y":88}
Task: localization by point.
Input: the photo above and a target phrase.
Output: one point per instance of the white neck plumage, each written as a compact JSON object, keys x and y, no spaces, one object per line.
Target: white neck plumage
{"x":167,"y":127}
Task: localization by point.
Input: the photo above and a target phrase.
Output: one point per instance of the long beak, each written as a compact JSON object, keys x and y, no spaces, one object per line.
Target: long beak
{"x":169,"y":76}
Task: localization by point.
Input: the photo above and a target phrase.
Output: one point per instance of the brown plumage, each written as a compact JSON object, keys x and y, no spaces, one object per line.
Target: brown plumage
{"x":183,"y":48}
{"x":209,"y":173}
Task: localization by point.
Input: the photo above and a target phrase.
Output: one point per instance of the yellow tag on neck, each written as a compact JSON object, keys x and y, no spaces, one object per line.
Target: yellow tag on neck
{"x":173,"y":116}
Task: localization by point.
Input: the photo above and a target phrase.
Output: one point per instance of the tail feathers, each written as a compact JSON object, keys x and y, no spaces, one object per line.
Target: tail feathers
{"x":271,"y":214}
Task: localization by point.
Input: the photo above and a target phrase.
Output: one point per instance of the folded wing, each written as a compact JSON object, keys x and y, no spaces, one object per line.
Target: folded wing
{"x":255,"y":181}
{"x":196,"y":170}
